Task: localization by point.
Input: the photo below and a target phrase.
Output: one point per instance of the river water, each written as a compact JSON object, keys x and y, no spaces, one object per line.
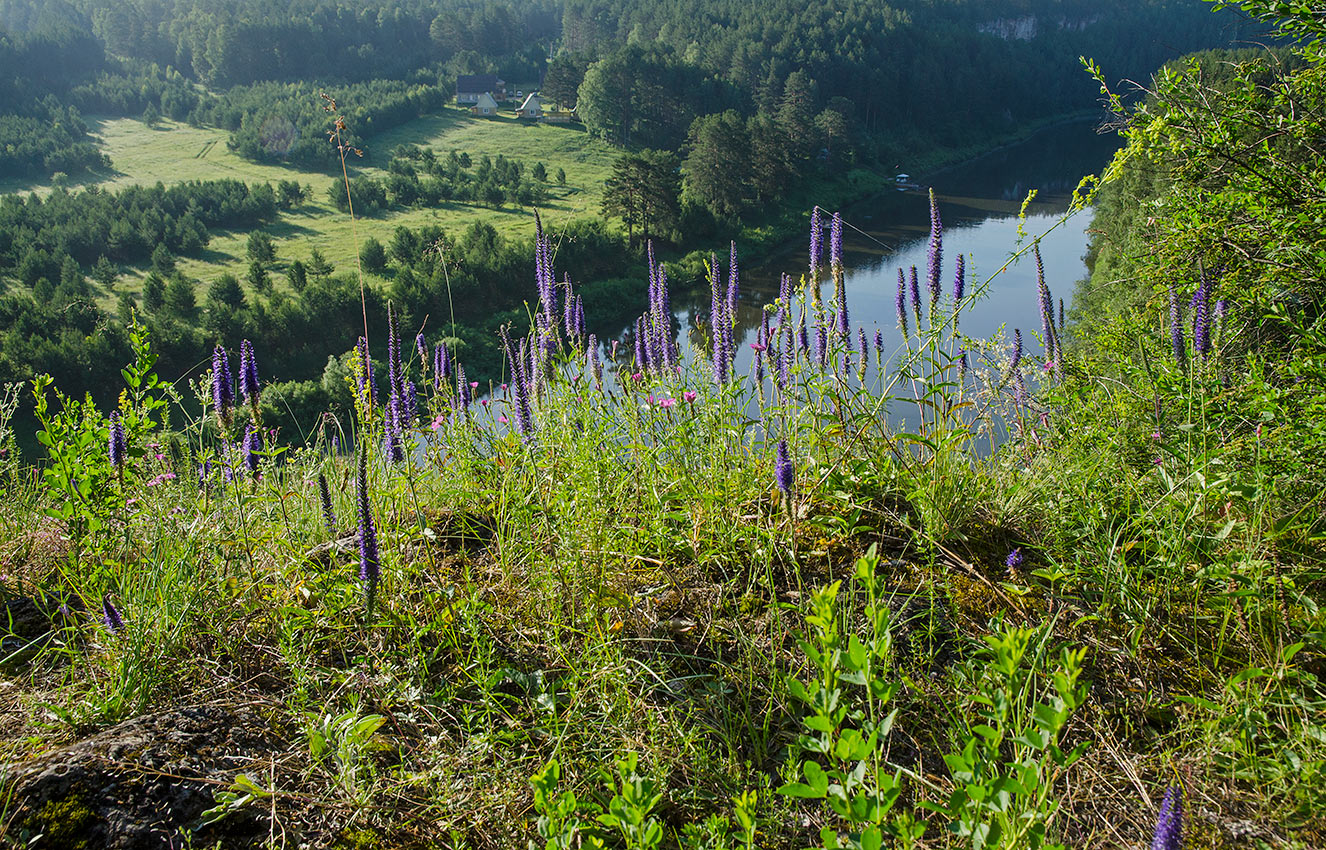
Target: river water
{"x":978,"y":204}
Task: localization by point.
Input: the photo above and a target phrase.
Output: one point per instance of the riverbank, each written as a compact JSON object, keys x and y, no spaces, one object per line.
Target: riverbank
{"x":785,"y":232}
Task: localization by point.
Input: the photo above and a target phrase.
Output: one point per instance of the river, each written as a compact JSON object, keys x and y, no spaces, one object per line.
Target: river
{"x":979,"y":203}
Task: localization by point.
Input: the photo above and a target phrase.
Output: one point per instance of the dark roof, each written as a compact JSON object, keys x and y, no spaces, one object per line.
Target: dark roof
{"x":477,"y":83}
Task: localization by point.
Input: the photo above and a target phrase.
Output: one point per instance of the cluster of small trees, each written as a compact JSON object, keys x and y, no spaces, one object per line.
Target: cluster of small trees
{"x":418,"y":177}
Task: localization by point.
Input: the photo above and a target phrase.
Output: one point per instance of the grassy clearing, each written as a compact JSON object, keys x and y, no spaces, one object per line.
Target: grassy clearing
{"x":174,"y":152}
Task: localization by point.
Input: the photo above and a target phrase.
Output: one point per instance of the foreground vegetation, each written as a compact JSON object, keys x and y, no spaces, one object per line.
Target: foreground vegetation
{"x":896,"y":587}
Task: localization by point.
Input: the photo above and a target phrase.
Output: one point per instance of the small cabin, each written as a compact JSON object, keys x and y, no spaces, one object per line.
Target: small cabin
{"x":532,"y":108}
{"x":485,"y":105}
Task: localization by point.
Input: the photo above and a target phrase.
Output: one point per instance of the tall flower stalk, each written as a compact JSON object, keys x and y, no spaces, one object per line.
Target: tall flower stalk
{"x":370,"y":568}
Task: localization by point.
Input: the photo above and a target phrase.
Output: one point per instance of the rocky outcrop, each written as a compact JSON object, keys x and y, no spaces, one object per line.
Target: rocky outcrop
{"x":143,"y":784}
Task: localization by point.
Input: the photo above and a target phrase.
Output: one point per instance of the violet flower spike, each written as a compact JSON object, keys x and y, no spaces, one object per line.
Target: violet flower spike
{"x":441,"y":365}
{"x":1169,"y":823}
{"x":370,"y":567}
{"x":844,"y":326}
{"x":421,"y":347}
{"x":110,"y":615}
{"x":733,"y":283}
{"x":901,"y":303}
{"x":325,"y":499}
{"x":864,"y":345}
{"x":959,"y":286}
{"x":1014,"y":559}
{"x":815,"y":249}
{"x":916,"y":298}
{"x":935,"y":252}
{"x":1177,"y":342}
{"x":248,"y":374}
{"x":119,"y":444}
{"x":251,"y":447}
{"x":223,"y":392}
{"x":784,"y":472}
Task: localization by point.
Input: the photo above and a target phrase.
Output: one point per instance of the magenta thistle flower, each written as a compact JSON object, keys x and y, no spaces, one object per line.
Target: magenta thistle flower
{"x":119,"y":444}
{"x":110,"y":615}
{"x":1169,"y":824}
{"x":223,"y":385}
{"x":784,"y":473}
{"x":370,"y":569}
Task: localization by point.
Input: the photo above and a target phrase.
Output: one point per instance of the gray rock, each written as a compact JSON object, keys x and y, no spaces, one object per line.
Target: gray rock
{"x":143,"y":783}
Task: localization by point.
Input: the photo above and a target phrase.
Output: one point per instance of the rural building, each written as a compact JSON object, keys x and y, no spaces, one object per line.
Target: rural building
{"x":485,"y":105}
{"x":532,"y":108}
{"x":470,"y":87}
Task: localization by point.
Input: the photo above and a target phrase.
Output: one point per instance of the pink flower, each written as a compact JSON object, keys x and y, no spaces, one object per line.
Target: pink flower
{"x":502,"y":419}
{"x":1155,"y":435}
{"x":159,"y":456}
{"x":667,"y":402}
{"x":638,"y":377}
{"x":758,"y":346}
{"x":1157,"y":461}
{"x":689,"y":396}
{"x":438,"y":422}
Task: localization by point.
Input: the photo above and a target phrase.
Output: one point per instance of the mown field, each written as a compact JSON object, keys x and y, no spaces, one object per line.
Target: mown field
{"x":172,"y":152}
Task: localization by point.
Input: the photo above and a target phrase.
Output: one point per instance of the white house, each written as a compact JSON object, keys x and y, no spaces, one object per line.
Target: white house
{"x":485,"y":105}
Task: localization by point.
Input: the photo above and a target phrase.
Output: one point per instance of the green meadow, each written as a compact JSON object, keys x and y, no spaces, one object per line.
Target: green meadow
{"x":172,"y":152}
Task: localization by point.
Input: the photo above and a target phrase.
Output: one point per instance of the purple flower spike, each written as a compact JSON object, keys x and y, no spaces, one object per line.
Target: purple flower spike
{"x":223,"y":385}
{"x":119,"y":445}
{"x":836,"y":241}
{"x":784,"y":473}
{"x":879,"y":348}
{"x":110,"y":616}
{"x":370,"y":568}
{"x":1014,"y":559}
{"x":1177,"y":342}
{"x":421,"y":348}
{"x":916,"y":298}
{"x":733,"y":283}
{"x":251,"y":447}
{"x":815,"y":249}
{"x":902,"y":302}
{"x":595,"y":364}
{"x":864,"y":345}
{"x":959,"y":286}
{"x":324,"y":497}
{"x":843,"y":324}
{"x":935,"y":252}
{"x":441,"y":365}
{"x":248,"y":374}
{"x":1169,"y":825}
